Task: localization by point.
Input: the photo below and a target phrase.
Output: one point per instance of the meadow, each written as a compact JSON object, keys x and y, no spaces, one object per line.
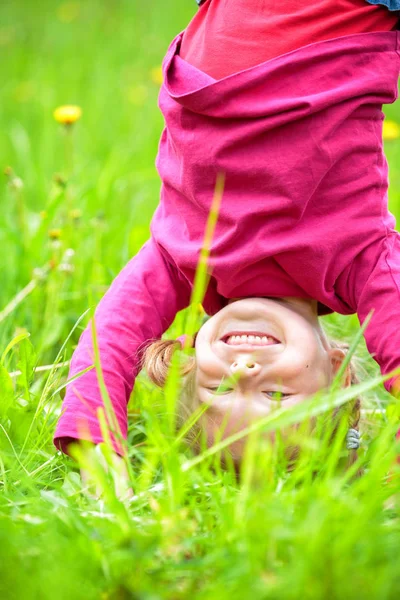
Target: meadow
{"x":76,"y":204}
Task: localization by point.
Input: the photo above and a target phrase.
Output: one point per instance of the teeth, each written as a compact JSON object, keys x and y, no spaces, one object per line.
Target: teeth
{"x":254,"y":340}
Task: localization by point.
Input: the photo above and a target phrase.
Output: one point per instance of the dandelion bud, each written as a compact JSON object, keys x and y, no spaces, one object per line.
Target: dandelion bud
{"x":54,"y":234}
{"x":60,"y":180}
{"x":75,"y":214}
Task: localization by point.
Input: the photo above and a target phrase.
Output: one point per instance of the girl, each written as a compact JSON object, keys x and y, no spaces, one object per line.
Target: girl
{"x":285,"y":99}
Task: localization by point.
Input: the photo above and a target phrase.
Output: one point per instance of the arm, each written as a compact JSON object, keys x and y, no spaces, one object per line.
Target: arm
{"x":373,"y":283}
{"x":140,"y":305}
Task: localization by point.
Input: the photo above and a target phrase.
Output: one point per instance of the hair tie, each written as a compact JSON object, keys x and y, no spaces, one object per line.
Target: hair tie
{"x":186,"y":341}
{"x":353,"y":439}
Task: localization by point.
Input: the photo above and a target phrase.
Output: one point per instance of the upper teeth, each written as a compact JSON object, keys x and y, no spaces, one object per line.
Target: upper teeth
{"x":255,"y":340}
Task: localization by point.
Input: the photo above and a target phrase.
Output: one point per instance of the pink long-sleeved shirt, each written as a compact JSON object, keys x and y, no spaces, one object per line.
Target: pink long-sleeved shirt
{"x":304,"y":212}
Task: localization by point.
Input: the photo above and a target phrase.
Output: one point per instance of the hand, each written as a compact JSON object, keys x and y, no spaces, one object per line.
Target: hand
{"x":98,"y":469}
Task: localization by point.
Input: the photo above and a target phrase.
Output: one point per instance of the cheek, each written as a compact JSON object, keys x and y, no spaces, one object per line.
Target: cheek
{"x":293,"y":401}
{"x":310,"y":361}
{"x":207,"y":330}
{"x":208,"y":365}
{"x":299,"y":360}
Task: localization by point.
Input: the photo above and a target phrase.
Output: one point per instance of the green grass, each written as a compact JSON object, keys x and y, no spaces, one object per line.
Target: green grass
{"x":193,"y":529}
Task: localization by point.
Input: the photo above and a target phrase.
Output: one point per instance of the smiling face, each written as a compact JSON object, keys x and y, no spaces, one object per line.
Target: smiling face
{"x":255,"y":353}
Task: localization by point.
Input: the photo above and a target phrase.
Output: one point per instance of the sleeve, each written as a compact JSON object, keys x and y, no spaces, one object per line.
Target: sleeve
{"x":140,"y":305}
{"x":373,"y":284}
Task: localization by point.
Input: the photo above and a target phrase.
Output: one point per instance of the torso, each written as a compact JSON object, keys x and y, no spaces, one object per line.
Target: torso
{"x":228,"y":36}
{"x":290,"y":135}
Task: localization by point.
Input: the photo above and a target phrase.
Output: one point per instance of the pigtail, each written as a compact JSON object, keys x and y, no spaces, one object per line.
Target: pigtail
{"x":157,"y":359}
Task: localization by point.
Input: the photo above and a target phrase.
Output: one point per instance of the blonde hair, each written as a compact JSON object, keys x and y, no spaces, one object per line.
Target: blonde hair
{"x":157,"y":359}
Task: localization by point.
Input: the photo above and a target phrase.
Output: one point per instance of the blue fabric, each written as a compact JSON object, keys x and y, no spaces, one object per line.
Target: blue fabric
{"x":390,"y":4}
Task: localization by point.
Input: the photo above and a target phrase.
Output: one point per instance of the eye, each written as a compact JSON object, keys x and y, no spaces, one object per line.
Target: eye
{"x":276,"y":395}
{"x":220,"y":390}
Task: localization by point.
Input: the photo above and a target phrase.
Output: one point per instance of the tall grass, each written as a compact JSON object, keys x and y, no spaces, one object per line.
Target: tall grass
{"x":192,"y":527}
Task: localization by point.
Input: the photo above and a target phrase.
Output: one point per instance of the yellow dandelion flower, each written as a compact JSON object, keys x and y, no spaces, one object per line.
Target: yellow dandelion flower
{"x":391,"y":130}
{"x":68,"y":114}
{"x":156,"y":75}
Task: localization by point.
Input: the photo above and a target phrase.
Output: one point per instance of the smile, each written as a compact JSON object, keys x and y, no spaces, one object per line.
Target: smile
{"x":239,"y":338}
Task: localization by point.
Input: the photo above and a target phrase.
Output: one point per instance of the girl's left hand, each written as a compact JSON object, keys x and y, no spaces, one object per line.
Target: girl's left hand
{"x":97,"y":471}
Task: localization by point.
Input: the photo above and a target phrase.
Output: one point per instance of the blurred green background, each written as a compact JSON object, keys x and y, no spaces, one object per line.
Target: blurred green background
{"x":106,"y":58}
{"x":93,"y":190}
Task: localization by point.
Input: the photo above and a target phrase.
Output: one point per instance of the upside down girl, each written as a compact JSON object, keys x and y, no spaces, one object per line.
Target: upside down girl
{"x":285,"y":99}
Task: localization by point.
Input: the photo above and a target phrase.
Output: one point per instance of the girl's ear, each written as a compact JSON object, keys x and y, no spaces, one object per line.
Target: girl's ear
{"x":337,"y":356}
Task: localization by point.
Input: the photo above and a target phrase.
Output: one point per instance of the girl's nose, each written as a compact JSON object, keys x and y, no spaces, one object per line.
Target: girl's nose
{"x":245,"y":366}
